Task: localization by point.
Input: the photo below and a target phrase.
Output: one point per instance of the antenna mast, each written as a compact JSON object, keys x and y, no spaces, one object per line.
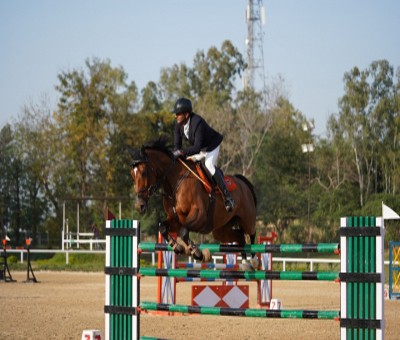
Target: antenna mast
{"x":255,"y":19}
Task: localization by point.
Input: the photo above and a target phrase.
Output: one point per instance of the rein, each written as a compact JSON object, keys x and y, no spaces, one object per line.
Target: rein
{"x":152,"y":188}
{"x":195,"y":175}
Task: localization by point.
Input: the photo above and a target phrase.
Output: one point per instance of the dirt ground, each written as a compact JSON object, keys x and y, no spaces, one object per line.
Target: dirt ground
{"x":63,"y":304}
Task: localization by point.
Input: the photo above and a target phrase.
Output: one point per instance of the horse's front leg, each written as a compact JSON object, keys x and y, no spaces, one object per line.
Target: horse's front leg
{"x":164,"y":228}
{"x":191,"y":248}
{"x":201,"y":255}
{"x":186,"y":241}
{"x":184,"y":245}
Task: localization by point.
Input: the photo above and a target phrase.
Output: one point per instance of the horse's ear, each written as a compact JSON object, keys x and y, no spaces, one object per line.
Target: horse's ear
{"x":143,"y":153}
{"x":130,"y":150}
{"x":136,"y":154}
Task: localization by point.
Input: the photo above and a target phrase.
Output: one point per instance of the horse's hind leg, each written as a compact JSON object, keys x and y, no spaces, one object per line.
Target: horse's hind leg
{"x":240,"y":240}
{"x":254,"y":262}
{"x":245,"y":264}
{"x":233,"y":233}
{"x":247,"y":228}
{"x":254,"y":258}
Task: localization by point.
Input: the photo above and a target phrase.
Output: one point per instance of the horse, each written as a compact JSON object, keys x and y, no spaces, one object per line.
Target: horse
{"x":188,"y":205}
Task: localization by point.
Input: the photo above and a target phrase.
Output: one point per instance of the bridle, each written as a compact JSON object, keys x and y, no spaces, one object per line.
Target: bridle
{"x":151,"y":188}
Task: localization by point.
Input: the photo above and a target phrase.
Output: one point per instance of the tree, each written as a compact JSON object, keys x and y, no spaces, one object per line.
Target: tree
{"x":367,"y":122}
{"x":33,"y":133}
{"x":6,"y":159}
{"x":95,"y":118}
{"x":384,"y":124}
{"x":353,"y":123}
{"x":281,"y":172}
{"x":93,"y":108}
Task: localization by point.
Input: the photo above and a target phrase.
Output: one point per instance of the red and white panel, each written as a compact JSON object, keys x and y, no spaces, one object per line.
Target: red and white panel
{"x":221,"y":296}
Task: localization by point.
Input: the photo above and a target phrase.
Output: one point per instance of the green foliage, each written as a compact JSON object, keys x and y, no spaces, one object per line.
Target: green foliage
{"x":368,"y":127}
{"x":11,"y":259}
{"x":374,"y":208}
{"x":77,"y":149}
{"x":281,"y":172}
{"x":77,"y":262}
{"x":57,"y":262}
{"x":298,"y":266}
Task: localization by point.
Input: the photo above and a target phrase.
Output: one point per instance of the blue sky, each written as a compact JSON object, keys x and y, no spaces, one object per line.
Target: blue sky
{"x":310,"y":43}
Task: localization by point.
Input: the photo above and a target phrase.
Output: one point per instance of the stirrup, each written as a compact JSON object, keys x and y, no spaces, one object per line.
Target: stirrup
{"x":229,"y":204}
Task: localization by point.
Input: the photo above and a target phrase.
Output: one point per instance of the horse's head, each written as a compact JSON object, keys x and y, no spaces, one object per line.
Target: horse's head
{"x":144,"y":178}
{"x":150,"y":166}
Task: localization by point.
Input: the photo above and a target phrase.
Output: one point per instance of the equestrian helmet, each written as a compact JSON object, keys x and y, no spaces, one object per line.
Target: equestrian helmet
{"x":182,"y":105}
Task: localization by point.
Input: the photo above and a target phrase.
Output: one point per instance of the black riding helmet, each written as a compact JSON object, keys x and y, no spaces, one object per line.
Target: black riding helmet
{"x":182,"y":105}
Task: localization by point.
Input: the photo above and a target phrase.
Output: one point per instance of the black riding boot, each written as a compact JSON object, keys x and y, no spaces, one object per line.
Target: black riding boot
{"x":228,"y":200}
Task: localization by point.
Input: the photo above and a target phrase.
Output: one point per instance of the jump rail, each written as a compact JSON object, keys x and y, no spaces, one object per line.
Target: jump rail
{"x":237,"y":274}
{"x":361,"y":280}
{"x":253,"y":248}
{"x":248,"y":312}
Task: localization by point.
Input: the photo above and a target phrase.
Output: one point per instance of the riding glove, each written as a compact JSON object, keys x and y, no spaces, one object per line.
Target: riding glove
{"x":177,"y":154}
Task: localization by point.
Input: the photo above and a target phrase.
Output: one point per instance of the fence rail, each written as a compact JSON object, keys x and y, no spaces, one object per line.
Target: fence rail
{"x":216,"y":258}
{"x":70,"y":240}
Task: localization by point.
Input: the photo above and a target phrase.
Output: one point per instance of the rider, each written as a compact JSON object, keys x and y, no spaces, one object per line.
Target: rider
{"x":201,"y":138}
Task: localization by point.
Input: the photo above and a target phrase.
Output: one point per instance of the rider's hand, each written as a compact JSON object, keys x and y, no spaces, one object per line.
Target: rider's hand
{"x":177,"y":154}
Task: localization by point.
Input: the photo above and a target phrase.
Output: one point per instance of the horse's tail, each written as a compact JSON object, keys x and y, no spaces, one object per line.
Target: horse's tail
{"x":250,"y":185}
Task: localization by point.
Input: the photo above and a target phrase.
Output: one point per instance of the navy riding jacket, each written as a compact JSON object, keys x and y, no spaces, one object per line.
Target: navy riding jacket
{"x":202,"y":137}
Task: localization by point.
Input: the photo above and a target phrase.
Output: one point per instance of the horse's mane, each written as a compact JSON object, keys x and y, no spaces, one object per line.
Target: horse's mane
{"x":160,"y":144}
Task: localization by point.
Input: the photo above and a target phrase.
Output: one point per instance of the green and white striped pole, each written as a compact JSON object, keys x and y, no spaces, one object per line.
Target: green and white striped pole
{"x":252,"y":248}
{"x":122,"y":284}
{"x":242,"y":312}
{"x":240,"y":274}
{"x":362,"y":278}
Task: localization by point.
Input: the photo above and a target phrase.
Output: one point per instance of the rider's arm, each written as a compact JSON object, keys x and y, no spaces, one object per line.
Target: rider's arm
{"x":177,"y":137}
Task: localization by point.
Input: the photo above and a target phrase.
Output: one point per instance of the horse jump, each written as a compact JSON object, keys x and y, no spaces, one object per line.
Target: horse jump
{"x":166,"y":286}
{"x":361,"y":277}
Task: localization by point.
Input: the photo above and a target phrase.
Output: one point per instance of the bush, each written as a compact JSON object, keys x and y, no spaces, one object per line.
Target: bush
{"x":11,"y":259}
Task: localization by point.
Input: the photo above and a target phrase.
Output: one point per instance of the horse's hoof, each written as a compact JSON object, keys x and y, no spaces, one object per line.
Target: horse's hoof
{"x":250,"y":265}
{"x":255,"y":263}
{"x":206,"y":255}
{"x":178,"y":249}
{"x":246,"y":265}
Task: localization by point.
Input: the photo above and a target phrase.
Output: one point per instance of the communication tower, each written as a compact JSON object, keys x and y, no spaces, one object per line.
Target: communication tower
{"x":254,"y":76}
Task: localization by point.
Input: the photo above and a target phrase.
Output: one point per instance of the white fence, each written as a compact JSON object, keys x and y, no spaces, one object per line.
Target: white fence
{"x":22,"y":252}
{"x":310,"y":262}
{"x":71,"y":240}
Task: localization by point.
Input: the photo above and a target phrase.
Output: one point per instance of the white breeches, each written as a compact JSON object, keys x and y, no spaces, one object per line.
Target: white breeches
{"x":210,"y":159}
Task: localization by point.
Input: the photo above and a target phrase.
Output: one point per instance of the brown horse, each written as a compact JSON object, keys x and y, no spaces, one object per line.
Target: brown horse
{"x":187,"y":204}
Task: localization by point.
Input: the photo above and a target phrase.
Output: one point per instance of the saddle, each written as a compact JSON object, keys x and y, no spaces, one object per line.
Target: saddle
{"x":207,"y":181}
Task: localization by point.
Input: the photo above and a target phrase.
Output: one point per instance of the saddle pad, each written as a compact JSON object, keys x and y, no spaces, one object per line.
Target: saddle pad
{"x":230,"y":183}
